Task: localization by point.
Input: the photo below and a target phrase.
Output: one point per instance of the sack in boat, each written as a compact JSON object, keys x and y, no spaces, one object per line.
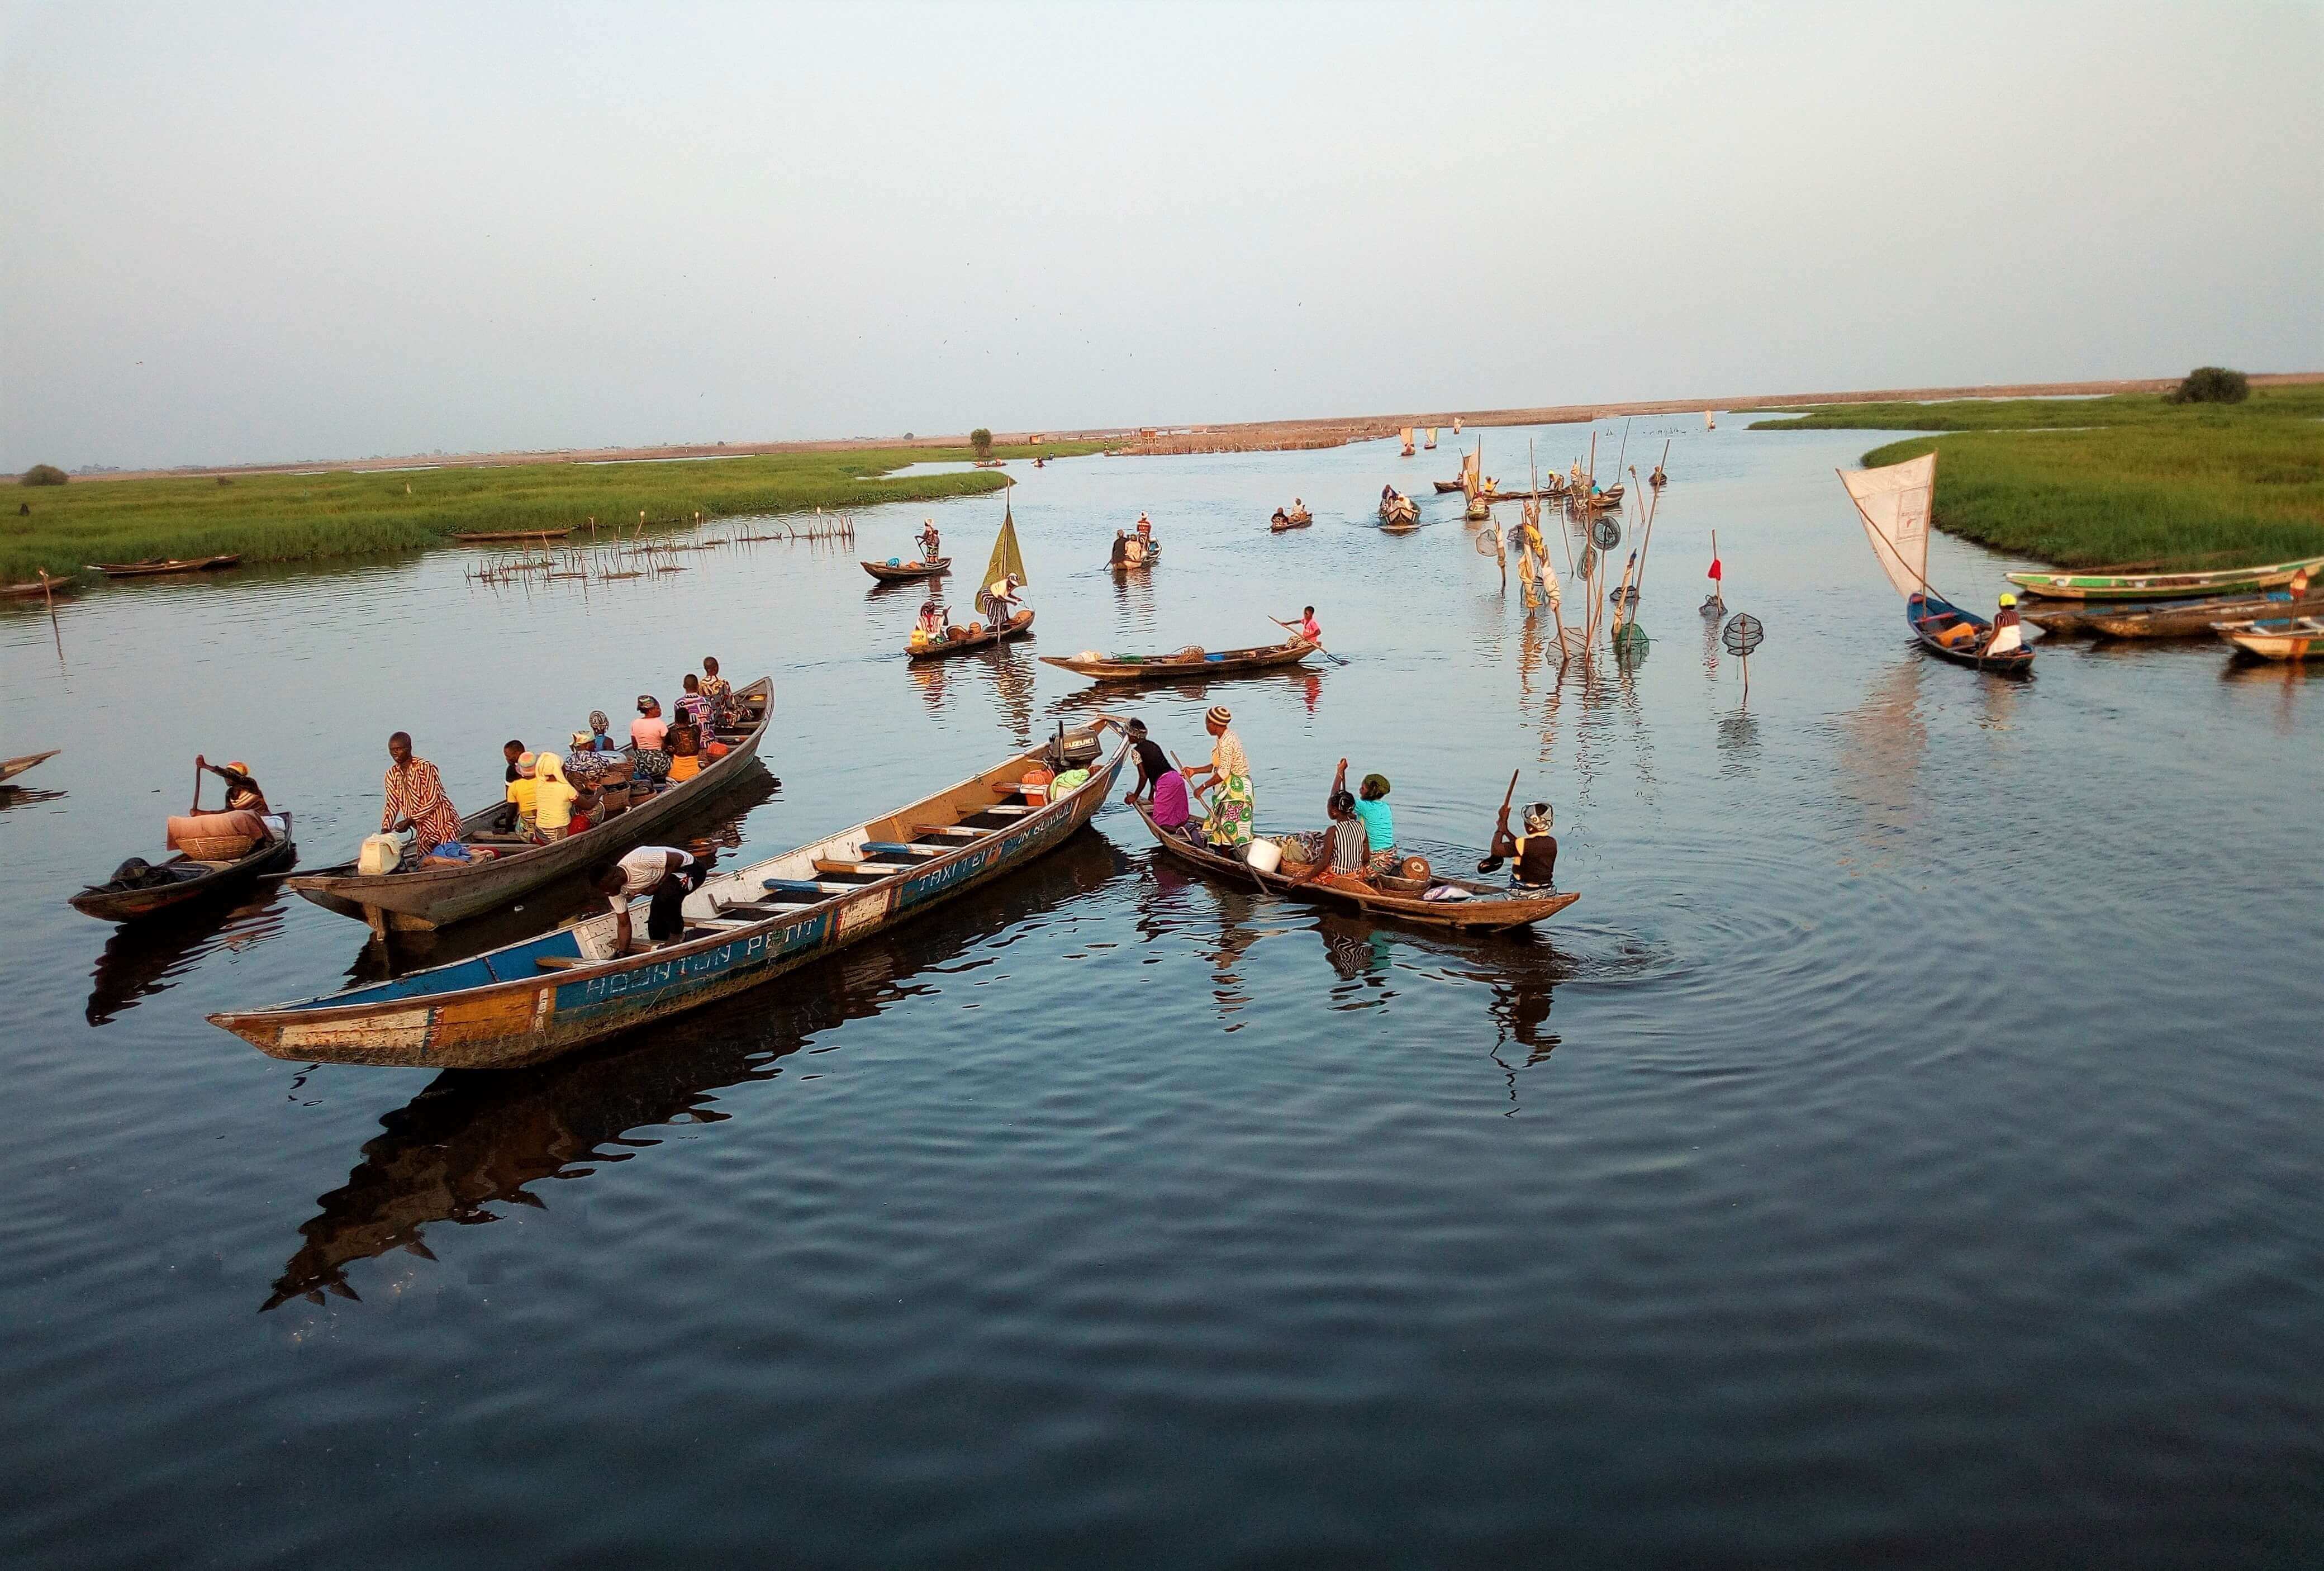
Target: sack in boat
{"x":215,"y":837}
{"x":715,"y":750}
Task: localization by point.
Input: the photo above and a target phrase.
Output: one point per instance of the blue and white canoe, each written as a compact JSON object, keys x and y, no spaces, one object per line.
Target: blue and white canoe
{"x":531,"y":1000}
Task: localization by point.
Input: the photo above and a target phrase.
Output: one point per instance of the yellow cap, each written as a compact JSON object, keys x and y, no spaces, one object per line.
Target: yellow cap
{"x":2009,"y":599}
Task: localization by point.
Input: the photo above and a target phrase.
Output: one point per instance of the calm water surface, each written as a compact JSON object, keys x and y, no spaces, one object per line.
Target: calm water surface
{"x":1907,"y":1149}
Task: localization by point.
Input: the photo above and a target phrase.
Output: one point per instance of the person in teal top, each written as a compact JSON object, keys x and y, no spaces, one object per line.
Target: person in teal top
{"x":1378,"y":819}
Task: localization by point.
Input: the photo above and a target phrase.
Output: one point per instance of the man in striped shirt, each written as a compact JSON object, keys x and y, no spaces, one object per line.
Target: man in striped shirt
{"x":416,"y":799}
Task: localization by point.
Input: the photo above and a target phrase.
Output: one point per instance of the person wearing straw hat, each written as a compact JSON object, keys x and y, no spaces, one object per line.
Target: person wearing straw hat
{"x":1234,"y":804}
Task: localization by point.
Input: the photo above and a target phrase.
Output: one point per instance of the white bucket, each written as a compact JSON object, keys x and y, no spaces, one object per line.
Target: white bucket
{"x":379,"y":854}
{"x":1265,"y":854}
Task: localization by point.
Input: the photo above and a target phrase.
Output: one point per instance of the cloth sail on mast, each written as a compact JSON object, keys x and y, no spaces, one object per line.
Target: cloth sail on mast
{"x":1006,"y":558}
{"x":1894,"y":503}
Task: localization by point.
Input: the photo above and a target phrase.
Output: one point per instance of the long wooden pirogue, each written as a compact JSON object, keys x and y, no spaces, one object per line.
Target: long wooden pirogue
{"x":531,"y":1001}
{"x":2162,"y":586}
{"x":1021,"y":624}
{"x":904,"y":572}
{"x":159,"y":567}
{"x":1488,"y":909}
{"x":414,"y":898}
{"x":2196,"y":618}
{"x":1399,"y":514}
{"x":488,"y":537}
{"x":183,"y":879}
{"x":39,"y":588}
{"x":1189,"y":663}
{"x":10,"y":768}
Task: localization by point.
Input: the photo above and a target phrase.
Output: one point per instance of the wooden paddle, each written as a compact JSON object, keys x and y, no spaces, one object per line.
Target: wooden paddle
{"x":1318,"y":643}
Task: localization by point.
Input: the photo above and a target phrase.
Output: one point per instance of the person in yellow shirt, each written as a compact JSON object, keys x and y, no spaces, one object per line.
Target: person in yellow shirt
{"x":523,"y":791}
{"x":553,"y":797}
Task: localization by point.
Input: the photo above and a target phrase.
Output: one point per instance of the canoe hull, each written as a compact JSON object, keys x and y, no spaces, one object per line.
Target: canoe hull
{"x":130,"y":904}
{"x":1023,"y":626}
{"x":434,"y":897}
{"x":2195,"y":619}
{"x":10,"y":768}
{"x":163,"y":569}
{"x":906,"y":574}
{"x":1924,"y":613}
{"x":1499,"y":916}
{"x":1168,"y":670}
{"x":2291,"y":644}
{"x":2162,"y":586}
{"x":533,"y":1016}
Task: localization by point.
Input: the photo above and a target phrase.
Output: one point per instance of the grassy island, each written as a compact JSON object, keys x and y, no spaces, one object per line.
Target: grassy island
{"x":2131,"y":478}
{"x":310,"y":517}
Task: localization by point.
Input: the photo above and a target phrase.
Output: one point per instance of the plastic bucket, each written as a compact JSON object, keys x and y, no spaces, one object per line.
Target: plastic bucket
{"x":1265,"y":854}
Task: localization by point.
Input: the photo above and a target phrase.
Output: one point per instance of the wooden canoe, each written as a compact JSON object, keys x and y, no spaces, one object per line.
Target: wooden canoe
{"x":157,"y":567}
{"x":416,"y":899}
{"x":904,"y":572}
{"x":1446,"y":487}
{"x":2162,"y":586}
{"x":37,"y":590}
{"x":531,"y":1001}
{"x":1290,"y":520}
{"x":1153,"y":555}
{"x":1166,"y":668}
{"x":1488,"y":911}
{"x":1018,"y":628}
{"x":491,"y":537}
{"x":1401,"y":514}
{"x":2196,"y":618}
{"x":10,"y":768}
{"x":1931,"y":618}
{"x":190,"y":881}
{"x":2290,"y":638}
{"x":2062,"y":618}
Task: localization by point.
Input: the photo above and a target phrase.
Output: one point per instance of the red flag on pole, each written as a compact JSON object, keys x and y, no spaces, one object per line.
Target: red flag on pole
{"x":1714,"y":570}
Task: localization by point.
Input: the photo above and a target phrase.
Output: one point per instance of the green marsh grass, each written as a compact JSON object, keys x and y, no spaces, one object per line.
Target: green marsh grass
{"x":280,"y":518}
{"x":2129,"y":480}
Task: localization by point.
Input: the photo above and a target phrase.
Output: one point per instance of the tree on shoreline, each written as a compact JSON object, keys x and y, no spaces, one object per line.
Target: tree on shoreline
{"x":44,"y":475}
{"x":2212,"y":385}
{"x":981,"y":440}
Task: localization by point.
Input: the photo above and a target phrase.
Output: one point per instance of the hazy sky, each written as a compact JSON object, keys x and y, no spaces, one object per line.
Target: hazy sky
{"x":250,"y":232}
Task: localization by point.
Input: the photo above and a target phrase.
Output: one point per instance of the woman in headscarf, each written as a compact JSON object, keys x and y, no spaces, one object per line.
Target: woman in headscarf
{"x":600,"y":735}
{"x":552,"y":797}
{"x":1232,"y":802}
{"x":721,"y":694}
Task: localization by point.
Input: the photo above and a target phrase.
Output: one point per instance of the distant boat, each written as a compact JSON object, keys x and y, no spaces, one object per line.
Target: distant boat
{"x":1708,"y":424}
{"x":1399,"y":514}
{"x":497,"y":536}
{"x":2162,"y":586}
{"x":903,"y":572}
{"x":158,"y":566}
{"x":1893,"y":504}
{"x":1432,"y":437}
{"x":1197,"y":663}
{"x":39,"y":588}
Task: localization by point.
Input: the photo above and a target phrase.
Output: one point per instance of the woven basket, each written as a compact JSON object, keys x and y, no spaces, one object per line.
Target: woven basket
{"x":216,"y":847}
{"x":1391,"y":884}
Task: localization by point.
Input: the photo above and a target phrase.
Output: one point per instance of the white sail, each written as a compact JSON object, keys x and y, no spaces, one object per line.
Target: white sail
{"x":1894,"y":503}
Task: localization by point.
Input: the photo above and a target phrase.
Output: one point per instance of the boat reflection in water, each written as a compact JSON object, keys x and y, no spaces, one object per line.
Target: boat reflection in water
{"x":475,"y":1139}
{"x":145,"y":959}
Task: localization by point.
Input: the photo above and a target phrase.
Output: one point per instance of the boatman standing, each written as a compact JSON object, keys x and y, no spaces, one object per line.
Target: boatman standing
{"x":416,"y":799}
